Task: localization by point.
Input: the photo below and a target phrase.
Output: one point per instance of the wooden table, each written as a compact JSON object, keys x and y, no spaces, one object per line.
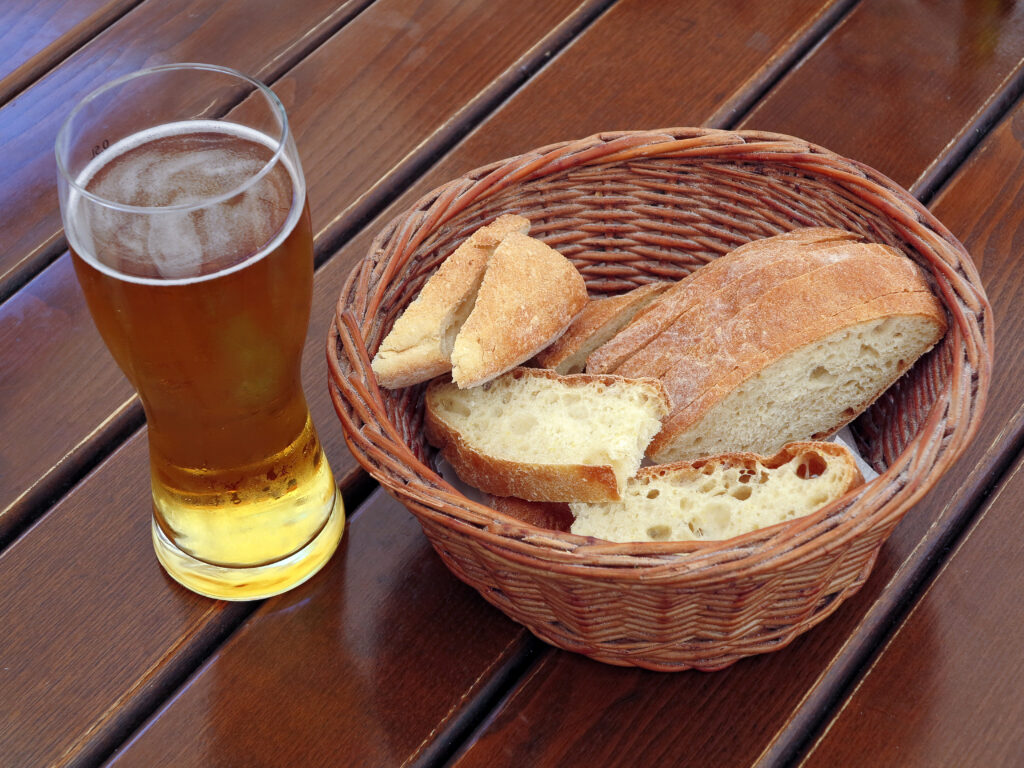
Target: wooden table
{"x":385,"y":659}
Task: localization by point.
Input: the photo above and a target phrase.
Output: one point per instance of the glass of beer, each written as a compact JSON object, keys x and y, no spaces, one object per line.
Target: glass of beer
{"x":184,"y":206}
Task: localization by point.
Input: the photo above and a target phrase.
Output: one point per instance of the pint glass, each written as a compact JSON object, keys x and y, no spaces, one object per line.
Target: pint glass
{"x":185,"y":210}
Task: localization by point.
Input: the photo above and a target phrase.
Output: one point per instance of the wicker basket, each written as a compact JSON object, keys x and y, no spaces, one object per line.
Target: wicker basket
{"x":629,"y":208}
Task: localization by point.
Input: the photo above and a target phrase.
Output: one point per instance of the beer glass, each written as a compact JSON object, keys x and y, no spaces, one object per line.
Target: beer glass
{"x":184,"y":206}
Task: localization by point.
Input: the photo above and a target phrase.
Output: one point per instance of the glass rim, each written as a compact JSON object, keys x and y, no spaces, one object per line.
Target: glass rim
{"x":275,"y":103}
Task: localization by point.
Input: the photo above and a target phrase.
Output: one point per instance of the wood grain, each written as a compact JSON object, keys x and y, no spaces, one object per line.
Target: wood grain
{"x":922,"y":80}
{"x":946,"y":689}
{"x":155,"y":33}
{"x":354,"y":669}
{"x":341,"y":102}
{"x":36,"y":34}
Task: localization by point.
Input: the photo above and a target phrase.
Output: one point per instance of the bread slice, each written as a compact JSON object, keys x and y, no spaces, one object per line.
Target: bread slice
{"x":800,"y":362}
{"x":600,"y":319}
{"x":723,"y":496}
{"x":536,"y":435}
{"x":419,"y":345}
{"x":549,"y":515}
{"x":802,"y":249}
{"x":529,"y":295}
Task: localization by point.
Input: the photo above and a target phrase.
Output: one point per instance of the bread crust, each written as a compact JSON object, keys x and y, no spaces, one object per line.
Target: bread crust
{"x":418,"y":347}
{"x":525,"y":480}
{"x":600,"y":319}
{"x":716,"y":278}
{"x":529,"y":295}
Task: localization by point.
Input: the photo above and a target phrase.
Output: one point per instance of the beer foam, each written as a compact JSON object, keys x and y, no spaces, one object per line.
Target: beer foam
{"x":177,"y":215}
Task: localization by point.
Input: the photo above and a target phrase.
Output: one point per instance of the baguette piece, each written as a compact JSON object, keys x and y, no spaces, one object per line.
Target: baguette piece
{"x":550,"y":515}
{"x":719,"y":279}
{"x":539,"y":436}
{"x":419,"y":344}
{"x":600,"y":319}
{"x":722,"y":496}
{"x":529,"y":295}
{"x":799,"y":363}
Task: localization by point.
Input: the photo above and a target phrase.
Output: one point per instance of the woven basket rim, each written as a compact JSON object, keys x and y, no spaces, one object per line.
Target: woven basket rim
{"x":880,"y":501}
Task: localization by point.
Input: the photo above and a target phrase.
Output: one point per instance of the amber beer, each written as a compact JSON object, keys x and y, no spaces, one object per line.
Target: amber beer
{"x":202,"y":293}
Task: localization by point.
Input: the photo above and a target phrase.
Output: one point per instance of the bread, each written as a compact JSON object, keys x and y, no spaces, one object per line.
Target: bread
{"x":529,"y":295}
{"x":806,"y":331}
{"x":550,"y":515}
{"x":536,"y":435}
{"x":718,"y":280}
{"x":723,"y":496}
{"x":419,"y":345}
{"x":600,"y":319}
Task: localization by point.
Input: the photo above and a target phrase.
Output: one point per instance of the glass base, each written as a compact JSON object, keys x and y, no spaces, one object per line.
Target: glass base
{"x":251,"y":583}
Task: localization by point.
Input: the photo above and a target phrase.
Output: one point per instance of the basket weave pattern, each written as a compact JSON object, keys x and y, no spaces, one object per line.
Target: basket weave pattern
{"x":629,"y":208}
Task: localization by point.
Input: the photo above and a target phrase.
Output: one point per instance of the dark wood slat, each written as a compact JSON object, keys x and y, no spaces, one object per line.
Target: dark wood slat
{"x":945,"y":72}
{"x":156,"y":33}
{"x":67,"y":693}
{"x":36,"y":34}
{"x":353,"y":669}
{"x":946,"y":690}
{"x":368,"y":100}
{"x":131,"y":460}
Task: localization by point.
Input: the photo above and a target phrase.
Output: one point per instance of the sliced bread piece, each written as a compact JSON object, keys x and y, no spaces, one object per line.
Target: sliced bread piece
{"x":804,"y":249}
{"x":600,"y":319}
{"x":529,"y":295}
{"x":723,"y":496}
{"x":419,"y":344}
{"x":550,"y":515}
{"x":536,"y":435}
{"x":798,"y":363}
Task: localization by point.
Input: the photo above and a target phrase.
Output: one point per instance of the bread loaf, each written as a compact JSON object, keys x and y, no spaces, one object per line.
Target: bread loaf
{"x":722,"y":496}
{"x":600,"y":319}
{"x":419,"y":345}
{"x":529,"y":295}
{"x":717,"y":281}
{"x":805,"y":333}
{"x":536,"y":435}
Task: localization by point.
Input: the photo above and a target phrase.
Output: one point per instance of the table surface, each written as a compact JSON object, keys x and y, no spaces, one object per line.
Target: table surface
{"x":384,"y":658}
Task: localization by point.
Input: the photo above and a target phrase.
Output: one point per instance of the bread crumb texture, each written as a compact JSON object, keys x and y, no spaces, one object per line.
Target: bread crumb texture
{"x":720,"y":497}
{"x":534,"y":417}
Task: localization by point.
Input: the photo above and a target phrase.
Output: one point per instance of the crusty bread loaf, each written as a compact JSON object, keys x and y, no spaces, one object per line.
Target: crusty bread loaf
{"x":805,"y":332}
{"x":536,"y":435}
{"x":799,"y":250}
{"x":723,"y":496}
{"x":600,"y":319}
{"x":529,"y":295}
{"x":419,"y":345}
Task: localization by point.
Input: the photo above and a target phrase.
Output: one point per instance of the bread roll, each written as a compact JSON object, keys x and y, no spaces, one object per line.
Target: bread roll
{"x":723,"y":496}
{"x":529,"y":295}
{"x":419,"y":345}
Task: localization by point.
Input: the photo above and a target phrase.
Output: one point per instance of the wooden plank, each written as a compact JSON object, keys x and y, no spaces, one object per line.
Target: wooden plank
{"x":947,"y":71}
{"x":36,"y":34}
{"x":97,"y":620}
{"x":156,"y":33}
{"x":355,"y":669}
{"x":361,"y":107}
{"x":946,"y":690}
{"x":68,"y":691}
